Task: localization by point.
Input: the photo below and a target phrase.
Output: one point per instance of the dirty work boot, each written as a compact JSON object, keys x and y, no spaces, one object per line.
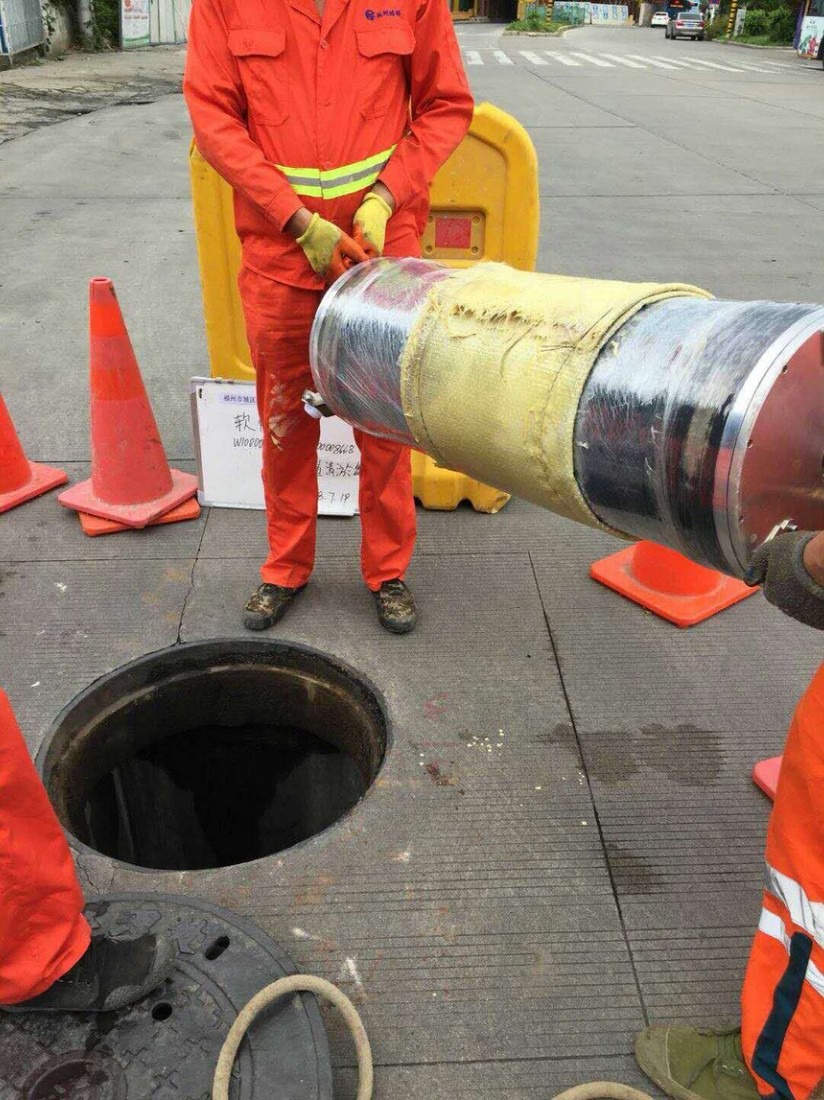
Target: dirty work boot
{"x":111,"y":974}
{"x":396,"y":607}
{"x":267,"y":605}
{"x":692,"y":1063}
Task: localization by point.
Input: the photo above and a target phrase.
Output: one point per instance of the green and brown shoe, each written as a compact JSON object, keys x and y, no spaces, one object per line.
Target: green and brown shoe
{"x":267,"y":605}
{"x":692,"y":1063}
{"x":396,"y":607}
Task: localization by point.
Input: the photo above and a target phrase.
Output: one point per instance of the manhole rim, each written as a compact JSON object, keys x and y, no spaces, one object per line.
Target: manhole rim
{"x":254,"y":646}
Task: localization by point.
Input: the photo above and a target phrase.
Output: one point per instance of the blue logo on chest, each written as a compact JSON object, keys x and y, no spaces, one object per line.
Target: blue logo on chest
{"x":371,"y":14}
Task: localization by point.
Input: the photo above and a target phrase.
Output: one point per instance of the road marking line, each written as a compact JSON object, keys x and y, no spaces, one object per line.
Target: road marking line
{"x":502,"y":58}
{"x":533,"y":58}
{"x":672,"y":61}
{"x":473,"y":58}
{"x":657,"y":64}
{"x":714,"y":65}
{"x":625,"y":61}
{"x":754,"y":68}
{"x":594,"y":60}
{"x":563,"y":59}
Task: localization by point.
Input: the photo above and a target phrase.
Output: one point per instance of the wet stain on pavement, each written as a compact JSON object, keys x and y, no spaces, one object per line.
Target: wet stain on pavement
{"x":632,"y":873}
{"x":683,"y":754}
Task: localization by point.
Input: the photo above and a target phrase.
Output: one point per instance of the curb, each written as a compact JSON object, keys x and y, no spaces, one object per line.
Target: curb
{"x":536,"y":34}
{"x":752,"y":46}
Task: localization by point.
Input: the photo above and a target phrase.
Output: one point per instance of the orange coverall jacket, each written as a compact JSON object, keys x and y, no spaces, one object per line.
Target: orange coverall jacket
{"x":297,"y":110}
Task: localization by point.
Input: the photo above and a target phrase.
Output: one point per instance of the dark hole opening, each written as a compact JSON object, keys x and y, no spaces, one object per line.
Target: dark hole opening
{"x":214,"y":754}
{"x":162,"y":1011}
{"x":216,"y":949}
{"x":213,"y":796}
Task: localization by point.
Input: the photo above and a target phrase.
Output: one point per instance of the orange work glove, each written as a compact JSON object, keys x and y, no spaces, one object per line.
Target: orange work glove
{"x":370,"y":224}
{"x":329,"y":250}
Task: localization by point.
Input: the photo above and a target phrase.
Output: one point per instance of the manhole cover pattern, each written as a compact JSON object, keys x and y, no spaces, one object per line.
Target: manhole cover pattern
{"x":166,"y":1046}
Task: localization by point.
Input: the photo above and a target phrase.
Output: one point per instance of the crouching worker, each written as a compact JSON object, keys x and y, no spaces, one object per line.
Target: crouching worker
{"x":778,"y":1052}
{"x":49,"y":960}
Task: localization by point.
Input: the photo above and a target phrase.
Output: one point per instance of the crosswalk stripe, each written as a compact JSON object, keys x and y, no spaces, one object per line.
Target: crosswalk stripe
{"x":532,"y":58}
{"x":714,"y":65}
{"x":564,"y":60}
{"x":752,"y":68}
{"x":632,"y":61}
{"x":658,"y":64}
{"x":693,"y":66}
{"x":593,"y":60}
{"x":625,"y":61}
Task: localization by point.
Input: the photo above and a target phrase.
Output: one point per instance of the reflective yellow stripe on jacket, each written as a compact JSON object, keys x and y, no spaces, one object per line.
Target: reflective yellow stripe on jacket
{"x":334,"y":182}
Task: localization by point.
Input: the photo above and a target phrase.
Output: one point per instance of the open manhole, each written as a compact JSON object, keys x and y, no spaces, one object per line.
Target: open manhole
{"x":213,"y":753}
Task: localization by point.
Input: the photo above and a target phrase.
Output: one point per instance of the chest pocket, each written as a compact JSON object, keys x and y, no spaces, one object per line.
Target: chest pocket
{"x":262,"y":63}
{"x":381,"y":73}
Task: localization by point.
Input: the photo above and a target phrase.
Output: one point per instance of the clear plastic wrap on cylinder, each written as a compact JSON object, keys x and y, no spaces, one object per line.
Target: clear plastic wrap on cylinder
{"x":696,"y":423}
{"x":358,"y":338}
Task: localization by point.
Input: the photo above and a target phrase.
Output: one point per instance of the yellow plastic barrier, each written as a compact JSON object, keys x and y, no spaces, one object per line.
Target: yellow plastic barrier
{"x":484,"y":206}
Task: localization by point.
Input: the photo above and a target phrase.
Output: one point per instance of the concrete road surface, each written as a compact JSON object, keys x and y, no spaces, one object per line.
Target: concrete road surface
{"x":564,"y":843}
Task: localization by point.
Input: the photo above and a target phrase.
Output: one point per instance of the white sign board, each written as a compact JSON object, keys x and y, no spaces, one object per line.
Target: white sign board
{"x":134,"y":23}
{"x":229,"y":441}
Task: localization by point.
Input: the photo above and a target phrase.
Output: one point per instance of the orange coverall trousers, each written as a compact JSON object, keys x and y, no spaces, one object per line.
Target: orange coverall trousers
{"x":278,"y":322}
{"x":42,"y":928}
{"x":783,"y":997}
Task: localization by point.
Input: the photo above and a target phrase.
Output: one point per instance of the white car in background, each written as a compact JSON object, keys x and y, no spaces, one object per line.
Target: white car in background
{"x":660,"y":19}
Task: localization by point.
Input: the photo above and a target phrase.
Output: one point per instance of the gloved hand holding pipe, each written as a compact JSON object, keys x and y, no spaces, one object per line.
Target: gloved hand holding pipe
{"x":329,"y":250}
{"x":653,"y":411}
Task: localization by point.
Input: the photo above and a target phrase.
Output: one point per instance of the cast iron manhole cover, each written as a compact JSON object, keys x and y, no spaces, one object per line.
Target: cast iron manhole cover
{"x":166,"y":1046}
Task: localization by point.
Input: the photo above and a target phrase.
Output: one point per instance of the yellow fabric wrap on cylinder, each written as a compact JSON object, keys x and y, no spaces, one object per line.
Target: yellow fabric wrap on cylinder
{"x":495,"y":366}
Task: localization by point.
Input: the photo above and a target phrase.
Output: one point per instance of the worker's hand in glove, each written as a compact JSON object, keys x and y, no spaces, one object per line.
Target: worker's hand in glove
{"x":370,"y":224}
{"x":329,"y":250}
{"x":789,"y":568}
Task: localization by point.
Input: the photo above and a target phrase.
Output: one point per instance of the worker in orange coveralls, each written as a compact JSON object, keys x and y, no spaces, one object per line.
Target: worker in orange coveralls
{"x":329,"y":118}
{"x":49,"y":960}
{"x":778,"y":1052}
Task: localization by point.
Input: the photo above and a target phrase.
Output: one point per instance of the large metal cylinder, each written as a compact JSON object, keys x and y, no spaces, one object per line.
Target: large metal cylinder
{"x":700,"y":424}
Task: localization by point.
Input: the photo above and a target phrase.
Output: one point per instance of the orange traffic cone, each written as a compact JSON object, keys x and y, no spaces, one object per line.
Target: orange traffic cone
{"x":765,"y":775}
{"x":94,"y":525}
{"x":20,"y":479}
{"x":669,"y":584}
{"x":131,"y":481}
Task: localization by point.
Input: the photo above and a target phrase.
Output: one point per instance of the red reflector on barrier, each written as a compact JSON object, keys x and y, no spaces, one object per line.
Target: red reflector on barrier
{"x":453,"y":232}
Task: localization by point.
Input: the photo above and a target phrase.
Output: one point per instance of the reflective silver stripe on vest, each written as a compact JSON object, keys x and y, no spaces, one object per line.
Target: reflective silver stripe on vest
{"x":331,"y":183}
{"x":772,"y":925}
{"x":807,"y":914}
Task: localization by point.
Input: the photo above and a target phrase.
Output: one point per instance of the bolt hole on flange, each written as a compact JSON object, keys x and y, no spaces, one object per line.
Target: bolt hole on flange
{"x":211,"y":754}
